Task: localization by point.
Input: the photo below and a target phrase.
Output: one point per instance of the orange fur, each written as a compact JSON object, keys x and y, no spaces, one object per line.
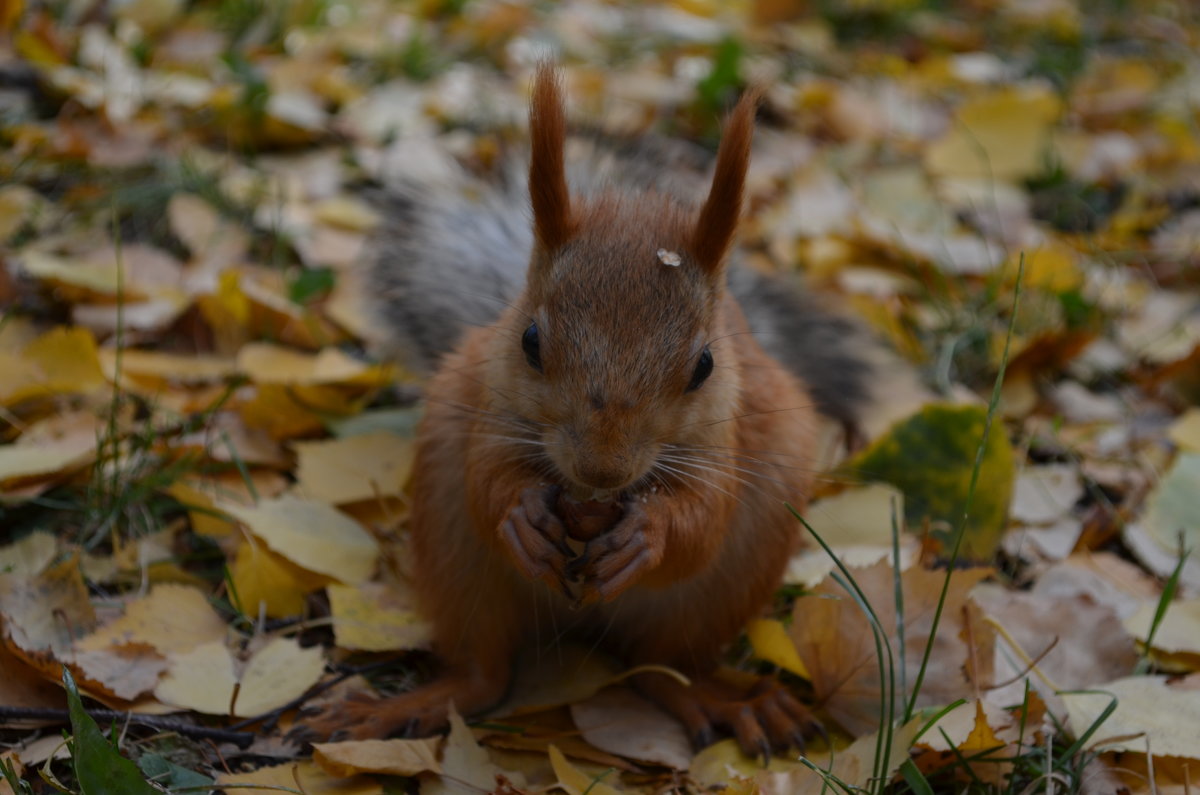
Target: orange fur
{"x":552,"y":218}
{"x":611,"y":406}
{"x":723,"y":208}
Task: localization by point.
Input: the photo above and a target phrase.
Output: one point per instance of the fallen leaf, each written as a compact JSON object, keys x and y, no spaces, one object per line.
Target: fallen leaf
{"x":1043,"y":494}
{"x":833,"y":638}
{"x":466,"y":766}
{"x":304,"y":776}
{"x":857,"y":524}
{"x":930,"y":457}
{"x":574,"y":781}
{"x":1001,"y":135}
{"x":206,"y":678}
{"x":45,"y":613}
{"x":386,"y":757}
{"x":29,"y":555}
{"x":1150,"y":716}
{"x":311,"y":534}
{"x":377,"y":616}
{"x":1177,"y":633}
{"x":353,"y":468}
{"x":1185,"y":431}
{"x":621,"y":722}
{"x":169,"y":619}
{"x":769,"y":640}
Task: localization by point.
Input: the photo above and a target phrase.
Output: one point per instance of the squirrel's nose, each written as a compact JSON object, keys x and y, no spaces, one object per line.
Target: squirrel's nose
{"x":602,"y":474}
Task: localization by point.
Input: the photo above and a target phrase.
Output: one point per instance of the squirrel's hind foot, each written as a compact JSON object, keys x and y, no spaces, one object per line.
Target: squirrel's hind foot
{"x":765,"y":719}
{"x":417,"y":713}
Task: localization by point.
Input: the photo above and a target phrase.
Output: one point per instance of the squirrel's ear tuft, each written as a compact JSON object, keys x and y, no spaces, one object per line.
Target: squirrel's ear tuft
{"x":553,"y":222}
{"x":722,"y":210}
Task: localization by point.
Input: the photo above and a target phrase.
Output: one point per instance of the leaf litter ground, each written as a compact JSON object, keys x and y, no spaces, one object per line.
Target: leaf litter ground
{"x":191,"y":399}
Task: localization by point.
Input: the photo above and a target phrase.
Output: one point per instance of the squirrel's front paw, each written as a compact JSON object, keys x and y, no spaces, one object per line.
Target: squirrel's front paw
{"x":614,"y":561}
{"x":536,"y":538}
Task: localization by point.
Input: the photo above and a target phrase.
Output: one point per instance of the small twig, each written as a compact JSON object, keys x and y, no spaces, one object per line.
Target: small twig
{"x":183,"y":727}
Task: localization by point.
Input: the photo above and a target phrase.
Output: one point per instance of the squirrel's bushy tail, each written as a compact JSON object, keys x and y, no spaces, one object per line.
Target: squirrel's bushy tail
{"x":453,"y":252}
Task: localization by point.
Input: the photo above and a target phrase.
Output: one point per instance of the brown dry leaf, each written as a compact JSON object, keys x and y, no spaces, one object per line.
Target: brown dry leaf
{"x":386,"y":757}
{"x":573,"y":673}
{"x":835,"y":642}
{"x":1074,"y":641}
{"x":44,"y":614}
{"x":1002,"y":135}
{"x":857,"y":524}
{"x":377,"y":616}
{"x":305,"y":776}
{"x":621,"y":722}
{"x":206,"y":677}
{"x":352,"y":468}
{"x":170,"y":619}
{"x":214,"y":242}
{"x":313,"y":535}
{"x":1150,"y":716}
{"x":22,"y":685}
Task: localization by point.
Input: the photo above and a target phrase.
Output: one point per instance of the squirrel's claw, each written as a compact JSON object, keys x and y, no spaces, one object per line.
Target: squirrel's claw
{"x":614,"y":561}
{"x":536,"y":538}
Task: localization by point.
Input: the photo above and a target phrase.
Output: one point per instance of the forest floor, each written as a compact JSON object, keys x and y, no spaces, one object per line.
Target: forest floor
{"x":204,"y":461}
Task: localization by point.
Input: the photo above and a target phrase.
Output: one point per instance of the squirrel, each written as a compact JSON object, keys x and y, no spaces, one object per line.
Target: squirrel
{"x":599,"y":386}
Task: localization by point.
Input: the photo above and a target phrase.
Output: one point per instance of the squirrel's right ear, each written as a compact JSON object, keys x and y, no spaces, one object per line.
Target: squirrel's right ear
{"x":553,"y":222}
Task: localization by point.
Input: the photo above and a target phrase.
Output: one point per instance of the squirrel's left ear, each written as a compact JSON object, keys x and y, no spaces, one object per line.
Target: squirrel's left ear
{"x":719,"y":217}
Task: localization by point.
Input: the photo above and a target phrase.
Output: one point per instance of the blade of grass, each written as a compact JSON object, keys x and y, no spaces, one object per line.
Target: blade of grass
{"x":993,"y":404}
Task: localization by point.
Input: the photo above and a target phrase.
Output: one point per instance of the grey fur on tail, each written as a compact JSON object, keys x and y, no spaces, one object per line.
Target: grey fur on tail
{"x":453,"y":253}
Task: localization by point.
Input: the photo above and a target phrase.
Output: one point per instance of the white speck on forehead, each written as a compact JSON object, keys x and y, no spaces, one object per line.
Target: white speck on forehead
{"x":669,"y":258}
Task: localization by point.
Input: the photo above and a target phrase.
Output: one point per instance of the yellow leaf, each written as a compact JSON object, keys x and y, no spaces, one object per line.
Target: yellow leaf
{"x":346,"y":212}
{"x":1052,"y":266}
{"x":770,"y":642}
{"x":265,"y":581}
{"x":575,"y":781}
{"x":267,"y":363}
{"x":61,"y":361}
{"x":352,"y":468}
{"x":1185,"y":431}
{"x":205,"y":678}
{"x":385,"y":757}
{"x":1179,"y":631}
{"x":307,"y":776}
{"x":981,"y":738}
{"x":313,"y":535}
{"x":376,"y":617}
{"x":171,"y":618}
{"x":1001,"y":135}
{"x":1149,"y":716}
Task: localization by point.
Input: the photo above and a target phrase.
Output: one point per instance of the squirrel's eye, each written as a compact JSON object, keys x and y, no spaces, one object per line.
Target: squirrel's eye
{"x":703,"y":370}
{"x":532,"y":347}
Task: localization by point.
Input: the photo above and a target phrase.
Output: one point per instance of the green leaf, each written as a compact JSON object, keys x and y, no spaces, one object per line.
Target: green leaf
{"x":310,"y":283}
{"x":165,"y":772}
{"x":929,"y":457}
{"x":99,"y":767}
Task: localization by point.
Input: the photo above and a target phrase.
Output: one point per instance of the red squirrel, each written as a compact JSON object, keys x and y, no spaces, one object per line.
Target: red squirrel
{"x":621,"y":399}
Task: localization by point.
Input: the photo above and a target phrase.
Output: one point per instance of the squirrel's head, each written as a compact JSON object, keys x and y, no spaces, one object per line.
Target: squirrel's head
{"x":622,"y":334}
